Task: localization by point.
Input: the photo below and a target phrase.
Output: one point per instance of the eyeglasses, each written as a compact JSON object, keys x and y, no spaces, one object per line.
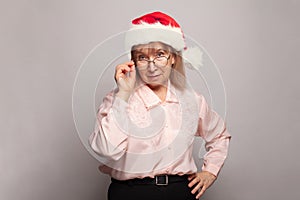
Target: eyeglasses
{"x":160,"y":61}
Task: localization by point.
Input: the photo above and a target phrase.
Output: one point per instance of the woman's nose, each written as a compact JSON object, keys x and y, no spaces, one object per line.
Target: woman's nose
{"x":151,"y":66}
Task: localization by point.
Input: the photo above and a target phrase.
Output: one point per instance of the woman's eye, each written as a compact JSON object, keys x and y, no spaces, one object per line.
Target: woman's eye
{"x":141,"y":57}
{"x":160,"y":54}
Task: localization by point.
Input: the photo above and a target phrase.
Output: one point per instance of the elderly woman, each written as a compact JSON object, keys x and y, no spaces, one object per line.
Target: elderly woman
{"x":146,"y":126}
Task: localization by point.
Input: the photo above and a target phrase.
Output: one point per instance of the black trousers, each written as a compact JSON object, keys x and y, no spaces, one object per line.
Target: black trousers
{"x":172,"y":191}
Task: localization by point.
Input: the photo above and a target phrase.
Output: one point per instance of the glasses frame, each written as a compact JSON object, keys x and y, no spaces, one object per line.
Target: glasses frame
{"x":149,"y":61}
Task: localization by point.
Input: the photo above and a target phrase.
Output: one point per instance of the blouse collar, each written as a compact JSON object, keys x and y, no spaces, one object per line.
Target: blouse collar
{"x":150,"y":99}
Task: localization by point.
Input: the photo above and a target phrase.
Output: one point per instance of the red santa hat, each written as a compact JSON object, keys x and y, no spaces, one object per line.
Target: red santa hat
{"x":158,"y":26}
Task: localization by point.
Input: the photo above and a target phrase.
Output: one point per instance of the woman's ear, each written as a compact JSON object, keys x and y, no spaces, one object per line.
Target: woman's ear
{"x":173,"y":59}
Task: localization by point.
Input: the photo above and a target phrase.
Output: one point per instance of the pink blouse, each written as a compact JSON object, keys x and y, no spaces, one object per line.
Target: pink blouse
{"x":146,"y":137}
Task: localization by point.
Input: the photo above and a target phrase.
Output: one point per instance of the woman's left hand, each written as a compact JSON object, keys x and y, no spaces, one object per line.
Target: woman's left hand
{"x":201,"y":181}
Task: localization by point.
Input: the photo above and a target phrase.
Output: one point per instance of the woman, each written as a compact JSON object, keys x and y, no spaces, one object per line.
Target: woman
{"x":143,"y":133}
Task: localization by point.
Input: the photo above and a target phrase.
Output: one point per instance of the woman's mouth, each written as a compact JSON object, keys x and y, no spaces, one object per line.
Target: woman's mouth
{"x":153,"y":77}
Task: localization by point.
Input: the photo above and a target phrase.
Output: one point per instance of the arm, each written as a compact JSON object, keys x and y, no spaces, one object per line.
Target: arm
{"x":107,"y":139}
{"x":212,"y":129}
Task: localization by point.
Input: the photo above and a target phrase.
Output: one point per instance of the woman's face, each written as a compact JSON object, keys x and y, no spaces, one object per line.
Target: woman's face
{"x":154,"y":63}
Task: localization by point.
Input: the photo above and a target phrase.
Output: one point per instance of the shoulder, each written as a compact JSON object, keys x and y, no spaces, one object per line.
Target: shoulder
{"x":200,"y":98}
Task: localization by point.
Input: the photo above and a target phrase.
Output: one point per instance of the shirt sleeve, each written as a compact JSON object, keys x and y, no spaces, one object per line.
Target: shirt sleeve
{"x":109,"y":140}
{"x":212,"y":129}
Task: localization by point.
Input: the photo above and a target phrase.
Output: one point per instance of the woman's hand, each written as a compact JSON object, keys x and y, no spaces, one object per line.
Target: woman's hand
{"x":125,"y":77}
{"x":201,"y":181}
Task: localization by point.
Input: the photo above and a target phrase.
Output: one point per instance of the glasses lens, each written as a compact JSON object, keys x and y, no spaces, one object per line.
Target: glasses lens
{"x":160,"y":61}
{"x":143,"y":63}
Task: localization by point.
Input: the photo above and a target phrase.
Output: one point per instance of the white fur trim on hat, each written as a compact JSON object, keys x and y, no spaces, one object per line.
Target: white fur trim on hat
{"x":145,"y":33}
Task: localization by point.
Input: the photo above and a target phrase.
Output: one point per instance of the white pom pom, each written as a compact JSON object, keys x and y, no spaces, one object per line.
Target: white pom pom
{"x":193,"y":58}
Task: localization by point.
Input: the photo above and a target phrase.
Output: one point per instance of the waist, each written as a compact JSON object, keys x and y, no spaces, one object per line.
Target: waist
{"x":157,"y":180}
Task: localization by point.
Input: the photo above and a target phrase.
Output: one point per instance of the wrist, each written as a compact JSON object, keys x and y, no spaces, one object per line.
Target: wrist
{"x":123,"y":95}
{"x":211,"y":174}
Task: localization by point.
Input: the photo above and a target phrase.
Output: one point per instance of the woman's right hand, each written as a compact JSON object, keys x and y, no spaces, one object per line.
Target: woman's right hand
{"x":125,"y":77}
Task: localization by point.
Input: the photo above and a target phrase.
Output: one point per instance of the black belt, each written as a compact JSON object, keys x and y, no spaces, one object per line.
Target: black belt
{"x":157,"y":180}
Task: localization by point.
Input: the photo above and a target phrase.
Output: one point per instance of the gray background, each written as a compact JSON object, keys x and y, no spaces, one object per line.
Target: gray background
{"x":255,"y":44}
